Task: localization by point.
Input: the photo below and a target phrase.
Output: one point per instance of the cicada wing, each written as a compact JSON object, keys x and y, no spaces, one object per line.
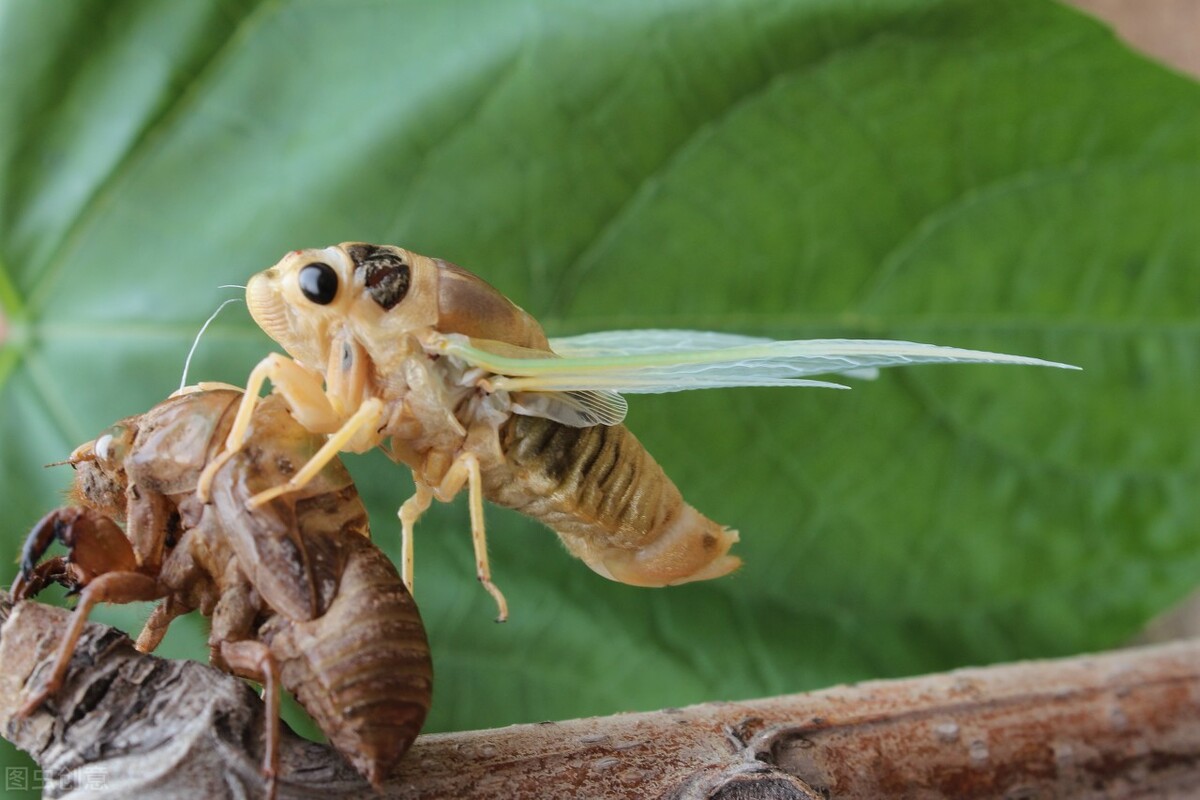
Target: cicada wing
{"x":633,"y":342}
{"x":646,"y":341}
{"x":578,"y":409}
{"x":663,"y":367}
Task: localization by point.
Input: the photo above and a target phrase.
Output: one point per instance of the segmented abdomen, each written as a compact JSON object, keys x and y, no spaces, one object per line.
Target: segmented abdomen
{"x":362,"y":670}
{"x":609,"y":501}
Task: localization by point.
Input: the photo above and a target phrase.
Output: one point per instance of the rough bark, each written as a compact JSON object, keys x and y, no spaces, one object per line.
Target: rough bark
{"x":1123,"y":724}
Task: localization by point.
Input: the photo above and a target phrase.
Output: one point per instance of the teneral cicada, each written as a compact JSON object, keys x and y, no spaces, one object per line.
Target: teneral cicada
{"x":298,"y":595}
{"x":390,"y":348}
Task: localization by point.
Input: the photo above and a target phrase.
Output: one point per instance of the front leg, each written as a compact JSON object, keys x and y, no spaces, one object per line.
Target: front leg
{"x":113,"y":587}
{"x":367,"y":417}
{"x":305,"y":397}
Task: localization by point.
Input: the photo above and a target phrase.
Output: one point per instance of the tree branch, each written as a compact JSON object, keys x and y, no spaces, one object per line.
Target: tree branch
{"x":1123,"y":724}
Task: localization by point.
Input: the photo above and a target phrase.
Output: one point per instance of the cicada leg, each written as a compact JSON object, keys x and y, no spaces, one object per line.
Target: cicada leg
{"x":52,"y":570}
{"x":367,"y":416}
{"x":30,"y":580}
{"x":157,"y":623}
{"x":305,"y":398}
{"x":112,"y":587}
{"x":411,"y":511}
{"x":253,"y":660}
{"x":465,"y":469}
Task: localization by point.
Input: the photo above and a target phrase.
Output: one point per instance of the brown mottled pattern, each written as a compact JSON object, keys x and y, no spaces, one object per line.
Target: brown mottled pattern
{"x":386,"y":277}
{"x":363,"y":669}
{"x":597,"y":482}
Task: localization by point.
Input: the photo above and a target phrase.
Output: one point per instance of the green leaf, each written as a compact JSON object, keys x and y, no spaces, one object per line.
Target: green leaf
{"x":1001,"y":176}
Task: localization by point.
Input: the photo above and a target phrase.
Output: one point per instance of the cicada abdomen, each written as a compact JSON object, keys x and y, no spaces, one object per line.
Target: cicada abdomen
{"x":609,"y":501}
{"x":361,"y":670}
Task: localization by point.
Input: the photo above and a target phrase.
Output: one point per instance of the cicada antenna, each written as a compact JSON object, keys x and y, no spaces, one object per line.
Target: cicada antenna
{"x":85,"y":452}
{"x":187,"y":363}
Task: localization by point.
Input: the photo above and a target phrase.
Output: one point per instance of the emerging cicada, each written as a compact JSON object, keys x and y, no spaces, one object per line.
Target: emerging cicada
{"x":297,"y":594}
{"x":419,"y":356}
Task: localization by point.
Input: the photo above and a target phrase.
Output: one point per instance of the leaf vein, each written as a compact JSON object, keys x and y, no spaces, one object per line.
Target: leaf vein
{"x":139,"y":147}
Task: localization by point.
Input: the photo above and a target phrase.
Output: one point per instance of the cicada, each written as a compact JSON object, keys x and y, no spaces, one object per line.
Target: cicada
{"x":418,"y":356}
{"x":298,"y":595}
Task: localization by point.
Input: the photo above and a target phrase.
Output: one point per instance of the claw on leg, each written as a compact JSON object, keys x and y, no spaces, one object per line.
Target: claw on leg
{"x":479,"y":537}
{"x":465,"y":469}
{"x":43,"y":534}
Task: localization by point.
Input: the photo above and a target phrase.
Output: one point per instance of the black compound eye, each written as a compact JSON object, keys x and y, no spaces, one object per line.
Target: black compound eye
{"x":319,"y":283}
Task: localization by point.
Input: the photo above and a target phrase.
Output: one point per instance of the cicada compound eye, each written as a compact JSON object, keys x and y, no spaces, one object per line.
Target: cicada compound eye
{"x":319,"y":283}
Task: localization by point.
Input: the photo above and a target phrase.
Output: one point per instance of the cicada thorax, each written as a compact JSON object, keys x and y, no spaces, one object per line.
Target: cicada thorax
{"x":177,"y":438}
{"x":610,"y":502}
{"x":403,"y":295}
{"x":469,"y":305}
{"x":396,"y":298}
{"x":397,"y":292}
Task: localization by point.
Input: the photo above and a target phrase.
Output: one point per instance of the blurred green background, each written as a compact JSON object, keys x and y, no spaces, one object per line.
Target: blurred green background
{"x":1003,"y":175}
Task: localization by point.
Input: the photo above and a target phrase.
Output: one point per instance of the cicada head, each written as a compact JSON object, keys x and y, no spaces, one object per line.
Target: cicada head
{"x":303,"y":300}
{"x":381,"y":293}
{"x":100,"y":477}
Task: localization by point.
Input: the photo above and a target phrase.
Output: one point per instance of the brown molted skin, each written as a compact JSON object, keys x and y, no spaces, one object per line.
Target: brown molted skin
{"x":299,"y":575}
{"x":176,"y":438}
{"x":364,"y":663}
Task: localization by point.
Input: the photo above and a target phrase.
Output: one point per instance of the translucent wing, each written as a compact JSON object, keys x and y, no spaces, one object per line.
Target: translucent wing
{"x":629,"y":343}
{"x":577,"y":409}
{"x":634,"y":342}
{"x":650,"y":362}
